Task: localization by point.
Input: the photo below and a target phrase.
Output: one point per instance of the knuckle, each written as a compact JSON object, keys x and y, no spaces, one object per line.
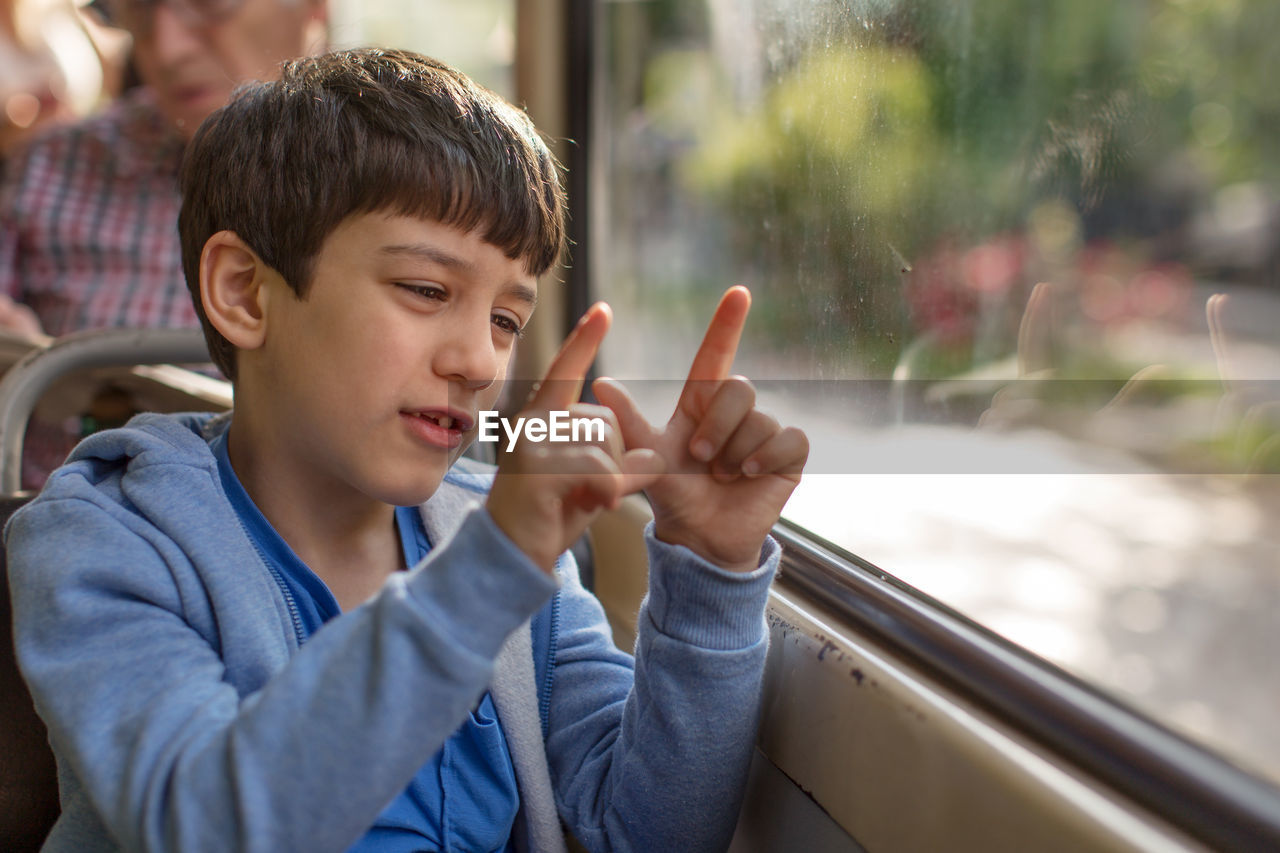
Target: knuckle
{"x":766,"y":421}
{"x":597,"y":460}
{"x":741,"y":387}
{"x":799,"y":439}
{"x":591,"y":411}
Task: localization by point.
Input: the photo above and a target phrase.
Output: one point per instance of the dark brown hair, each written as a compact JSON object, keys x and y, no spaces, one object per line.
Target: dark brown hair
{"x":364,"y":131}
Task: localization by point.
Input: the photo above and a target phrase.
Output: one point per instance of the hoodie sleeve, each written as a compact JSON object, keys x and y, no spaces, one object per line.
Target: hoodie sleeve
{"x":129,"y":665}
{"x":661,"y":766}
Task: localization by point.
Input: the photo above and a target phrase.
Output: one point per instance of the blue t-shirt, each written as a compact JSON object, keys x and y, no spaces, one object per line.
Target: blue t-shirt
{"x":465,"y":797}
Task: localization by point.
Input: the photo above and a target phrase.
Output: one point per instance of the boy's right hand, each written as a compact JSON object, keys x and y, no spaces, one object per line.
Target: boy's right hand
{"x":545,"y":494}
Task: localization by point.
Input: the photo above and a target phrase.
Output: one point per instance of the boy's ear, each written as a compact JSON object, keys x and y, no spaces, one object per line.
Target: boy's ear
{"x":233,"y":289}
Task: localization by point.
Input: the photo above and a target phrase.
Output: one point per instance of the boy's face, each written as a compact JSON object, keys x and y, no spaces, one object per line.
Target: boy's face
{"x":407,"y":324}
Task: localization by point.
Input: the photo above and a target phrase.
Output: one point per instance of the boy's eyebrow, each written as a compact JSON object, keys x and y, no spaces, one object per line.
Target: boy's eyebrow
{"x":430,"y":253}
{"x":524,"y":293}
{"x":437,"y":255}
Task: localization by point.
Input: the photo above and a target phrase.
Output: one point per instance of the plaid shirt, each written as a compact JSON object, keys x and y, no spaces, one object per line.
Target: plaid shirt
{"x":89,"y":237}
{"x":89,"y":223}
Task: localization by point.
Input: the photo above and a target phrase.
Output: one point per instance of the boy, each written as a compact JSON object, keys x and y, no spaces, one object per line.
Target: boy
{"x":228,"y":623}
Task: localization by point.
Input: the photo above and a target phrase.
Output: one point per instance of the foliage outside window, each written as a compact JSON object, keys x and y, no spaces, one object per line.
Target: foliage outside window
{"x":1017,"y":271}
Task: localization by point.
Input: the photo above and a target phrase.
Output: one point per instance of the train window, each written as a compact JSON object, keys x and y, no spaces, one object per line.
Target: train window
{"x":1015,"y":270}
{"x":477,"y":36}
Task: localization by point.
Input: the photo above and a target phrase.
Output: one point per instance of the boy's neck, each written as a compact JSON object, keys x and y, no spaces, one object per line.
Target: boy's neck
{"x":348,"y":540}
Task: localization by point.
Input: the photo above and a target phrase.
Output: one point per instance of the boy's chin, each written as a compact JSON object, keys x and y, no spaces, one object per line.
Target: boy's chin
{"x":420,"y":489}
{"x":410,"y":492}
{"x":418,"y":493}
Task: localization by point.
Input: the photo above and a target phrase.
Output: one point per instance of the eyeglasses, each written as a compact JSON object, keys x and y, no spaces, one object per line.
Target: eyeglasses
{"x":138,"y":16}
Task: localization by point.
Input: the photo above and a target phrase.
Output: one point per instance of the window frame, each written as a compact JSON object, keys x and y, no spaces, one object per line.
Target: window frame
{"x":1186,"y":784}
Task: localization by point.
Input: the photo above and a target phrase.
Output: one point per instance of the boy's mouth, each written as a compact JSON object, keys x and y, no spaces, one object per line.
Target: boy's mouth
{"x":443,"y":428}
{"x":450,"y":419}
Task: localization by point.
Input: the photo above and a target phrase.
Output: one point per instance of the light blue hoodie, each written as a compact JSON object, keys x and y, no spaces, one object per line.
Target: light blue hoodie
{"x":164,"y":659}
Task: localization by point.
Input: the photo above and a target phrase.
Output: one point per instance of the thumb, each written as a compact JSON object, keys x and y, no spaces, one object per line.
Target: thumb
{"x":640,"y":468}
{"x":636,"y":431}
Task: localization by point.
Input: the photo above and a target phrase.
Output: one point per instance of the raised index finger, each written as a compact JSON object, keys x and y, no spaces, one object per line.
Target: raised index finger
{"x":562,"y":384}
{"x":720,"y":344}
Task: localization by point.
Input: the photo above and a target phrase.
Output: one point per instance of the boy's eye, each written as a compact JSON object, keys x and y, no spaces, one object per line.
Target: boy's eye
{"x":426,"y":291}
{"x":508,"y":325}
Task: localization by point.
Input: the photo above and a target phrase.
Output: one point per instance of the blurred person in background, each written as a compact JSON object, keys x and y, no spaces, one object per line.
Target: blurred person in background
{"x":57,"y":63}
{"x":88,"y":210}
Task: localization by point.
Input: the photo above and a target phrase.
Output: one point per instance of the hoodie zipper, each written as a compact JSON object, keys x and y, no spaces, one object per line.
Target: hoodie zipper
{"x":544,"y":701}
{"x":299,"y":635}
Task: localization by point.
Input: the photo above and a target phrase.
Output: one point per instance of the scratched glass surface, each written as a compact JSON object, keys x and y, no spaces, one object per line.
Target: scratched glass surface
{"x":1015,"y":269}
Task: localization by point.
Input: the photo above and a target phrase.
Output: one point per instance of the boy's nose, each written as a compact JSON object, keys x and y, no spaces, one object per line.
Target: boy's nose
{"x":468,"y":355}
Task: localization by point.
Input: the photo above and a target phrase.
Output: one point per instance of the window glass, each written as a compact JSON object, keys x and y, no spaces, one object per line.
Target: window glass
{"x":477,"y":36}
{"x":1015,"y":270}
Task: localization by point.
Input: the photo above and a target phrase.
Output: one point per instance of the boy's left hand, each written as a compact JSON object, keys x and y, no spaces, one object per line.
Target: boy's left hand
{"x":545,"y":494}
{"x":730,"y":467}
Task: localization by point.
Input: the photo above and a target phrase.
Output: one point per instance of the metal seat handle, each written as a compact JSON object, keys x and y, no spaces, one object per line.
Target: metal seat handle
{"x":27,"y":380}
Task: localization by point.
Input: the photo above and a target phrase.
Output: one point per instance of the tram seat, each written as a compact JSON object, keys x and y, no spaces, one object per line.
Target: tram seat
{"x":28,"y":776}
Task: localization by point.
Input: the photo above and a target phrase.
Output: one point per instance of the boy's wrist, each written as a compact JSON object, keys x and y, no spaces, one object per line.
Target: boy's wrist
{"x":524,"y":532}
{"x":492,"y":584}
{"x":742,"y":560}
{"x":695,"y":601}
